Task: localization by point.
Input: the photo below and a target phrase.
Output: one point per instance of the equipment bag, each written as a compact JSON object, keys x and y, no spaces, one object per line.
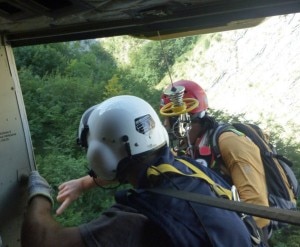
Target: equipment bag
{"x":280,"y":178}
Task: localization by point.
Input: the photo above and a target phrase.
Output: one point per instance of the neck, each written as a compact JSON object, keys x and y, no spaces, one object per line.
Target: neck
{"x":137,"y":168}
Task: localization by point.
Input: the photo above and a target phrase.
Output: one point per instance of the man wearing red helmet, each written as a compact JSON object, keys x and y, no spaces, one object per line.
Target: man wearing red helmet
{"x":191,"y":91}
{"x":242,"y":160}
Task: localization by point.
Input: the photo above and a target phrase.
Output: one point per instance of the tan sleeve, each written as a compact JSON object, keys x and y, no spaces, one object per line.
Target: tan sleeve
{"x":243,"y":162}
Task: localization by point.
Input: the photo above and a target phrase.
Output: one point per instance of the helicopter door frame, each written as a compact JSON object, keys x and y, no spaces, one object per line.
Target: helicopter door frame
{"x":16,"y":151}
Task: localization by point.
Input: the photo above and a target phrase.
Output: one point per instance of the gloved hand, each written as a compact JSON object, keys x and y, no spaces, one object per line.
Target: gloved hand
{"x":37,"y":185}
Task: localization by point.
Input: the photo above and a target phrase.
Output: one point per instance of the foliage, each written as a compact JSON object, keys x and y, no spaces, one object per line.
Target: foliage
{"x":113,"y":88}
{"x":54,"y":106}
{"x":287,"y":237}
{"x":60,"y":81}
{"x":222,"y":116}
{"x":43,"y":59}
{"x":85,"y":60}
{"x":58,"y":168}
{"x":154,"y":60}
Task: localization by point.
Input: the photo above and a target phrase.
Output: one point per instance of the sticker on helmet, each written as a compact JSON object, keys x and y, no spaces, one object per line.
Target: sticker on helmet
{"x":144,"y":124}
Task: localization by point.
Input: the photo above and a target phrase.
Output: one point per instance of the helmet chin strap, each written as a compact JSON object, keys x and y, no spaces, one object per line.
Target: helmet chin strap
{"x":125,"y":139}
{"x":92,"y":174}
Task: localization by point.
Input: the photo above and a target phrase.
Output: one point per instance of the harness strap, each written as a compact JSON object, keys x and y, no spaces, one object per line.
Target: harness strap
{"x":198,"y":173}
{"x":216,"y":153}
{"x":215,"y":137}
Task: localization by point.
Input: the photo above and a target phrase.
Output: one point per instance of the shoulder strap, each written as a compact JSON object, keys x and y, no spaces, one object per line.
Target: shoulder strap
{"x":197,"y":173}
{"x":216,"y":134}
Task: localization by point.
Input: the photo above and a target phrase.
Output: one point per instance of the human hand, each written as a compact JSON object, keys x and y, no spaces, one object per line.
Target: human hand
{"x":38,"y":186}
{"x":69,"y":192}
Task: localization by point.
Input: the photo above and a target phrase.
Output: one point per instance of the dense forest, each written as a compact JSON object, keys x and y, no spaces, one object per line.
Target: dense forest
{"x":60,"y":81}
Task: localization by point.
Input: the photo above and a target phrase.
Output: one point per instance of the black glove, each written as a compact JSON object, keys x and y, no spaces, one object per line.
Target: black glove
{"x":38,"y":186}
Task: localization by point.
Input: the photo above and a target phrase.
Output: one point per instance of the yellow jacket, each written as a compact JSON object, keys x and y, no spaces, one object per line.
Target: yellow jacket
{"x":244,"y":165}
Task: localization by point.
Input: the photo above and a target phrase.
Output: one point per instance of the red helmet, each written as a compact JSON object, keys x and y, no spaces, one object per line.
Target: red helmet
{"x":192,"y":90}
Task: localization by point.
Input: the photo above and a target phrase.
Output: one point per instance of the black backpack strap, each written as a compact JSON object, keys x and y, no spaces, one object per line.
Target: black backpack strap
{"x":284,"y":159}
{"x":221,"y":128}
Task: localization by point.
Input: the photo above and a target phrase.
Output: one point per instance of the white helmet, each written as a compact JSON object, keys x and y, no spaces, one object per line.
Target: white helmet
{"x":121,"y":127}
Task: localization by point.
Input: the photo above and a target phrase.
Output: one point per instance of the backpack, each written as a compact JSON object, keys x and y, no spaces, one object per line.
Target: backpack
{"x":277,"y":168}
{"x":168,"y":212}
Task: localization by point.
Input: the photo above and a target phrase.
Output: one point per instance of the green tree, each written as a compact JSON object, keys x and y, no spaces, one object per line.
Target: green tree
{"x":43,"y":59}
{"x":113,"y":88}
{"x":92,"y":63}
{"x":153,"y":61}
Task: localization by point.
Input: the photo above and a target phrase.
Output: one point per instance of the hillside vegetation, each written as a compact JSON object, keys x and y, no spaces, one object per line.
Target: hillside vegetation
{"x":252,"y":71}
{"x":242,"y":72}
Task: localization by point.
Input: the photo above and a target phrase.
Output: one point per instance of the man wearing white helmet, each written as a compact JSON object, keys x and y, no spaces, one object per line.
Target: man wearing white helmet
{"x":127,"y":143}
